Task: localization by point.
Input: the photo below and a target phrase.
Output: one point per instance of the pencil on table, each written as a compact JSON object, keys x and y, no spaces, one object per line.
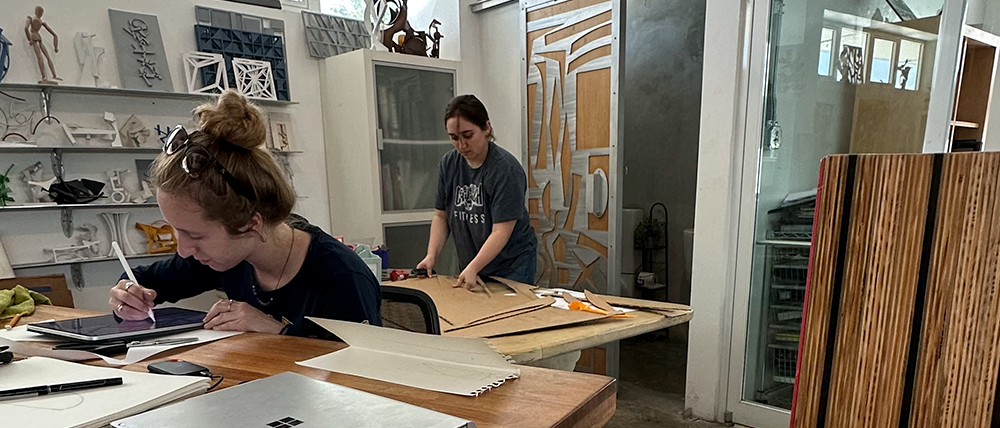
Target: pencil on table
{"x":13,"y":322}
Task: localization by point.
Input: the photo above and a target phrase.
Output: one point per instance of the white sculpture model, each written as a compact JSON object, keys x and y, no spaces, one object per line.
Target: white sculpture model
{"x":89,"y":53}
{"x":373,"y":23}
{"x":118,"y":194}
{"x":194,"y":62}
{"x":32,"y":176}
{"x":86,"y":247}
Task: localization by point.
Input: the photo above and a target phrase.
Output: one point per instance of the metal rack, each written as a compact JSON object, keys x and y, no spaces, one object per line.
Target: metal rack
{"x":786,"y":265}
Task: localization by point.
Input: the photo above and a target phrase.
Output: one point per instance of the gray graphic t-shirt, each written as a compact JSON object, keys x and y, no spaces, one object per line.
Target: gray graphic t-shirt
{"x":477,"y":198}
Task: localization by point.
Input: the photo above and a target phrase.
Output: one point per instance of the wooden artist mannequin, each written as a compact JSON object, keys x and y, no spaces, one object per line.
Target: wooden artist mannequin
{"x":32,"y":27}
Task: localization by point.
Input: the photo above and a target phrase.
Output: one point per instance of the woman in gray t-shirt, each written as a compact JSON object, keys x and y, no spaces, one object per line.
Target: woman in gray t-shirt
{"x":480,"y":201}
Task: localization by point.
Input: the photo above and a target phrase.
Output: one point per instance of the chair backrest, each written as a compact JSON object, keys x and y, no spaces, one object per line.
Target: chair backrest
{"x":409,"y":309}
{"x":53,"y":286}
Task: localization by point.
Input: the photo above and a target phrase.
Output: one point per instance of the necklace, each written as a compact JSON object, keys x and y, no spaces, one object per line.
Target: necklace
{"x":255,"y":285}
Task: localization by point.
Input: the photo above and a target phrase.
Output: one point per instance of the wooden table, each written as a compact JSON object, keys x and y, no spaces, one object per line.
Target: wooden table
{"x":533,"y":346}
{"x":539,"y":398}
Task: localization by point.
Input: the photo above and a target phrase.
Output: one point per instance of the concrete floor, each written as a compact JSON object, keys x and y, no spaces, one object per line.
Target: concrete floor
{"x":651,"y":385}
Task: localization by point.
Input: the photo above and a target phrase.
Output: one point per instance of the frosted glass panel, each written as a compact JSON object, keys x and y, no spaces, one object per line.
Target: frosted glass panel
{"x":407,"y":246}
{"x":411,"y":105}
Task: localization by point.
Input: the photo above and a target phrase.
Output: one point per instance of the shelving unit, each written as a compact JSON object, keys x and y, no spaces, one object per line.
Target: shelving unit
{"x":46,"y":94}
{"x":786,"y":263}
{"x":978,"y":58}
{"x":118,"y":92}
{"x":75,"y":266}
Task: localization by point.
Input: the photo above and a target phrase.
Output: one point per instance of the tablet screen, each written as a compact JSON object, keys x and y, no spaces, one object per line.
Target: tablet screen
{"x":106,"y":327}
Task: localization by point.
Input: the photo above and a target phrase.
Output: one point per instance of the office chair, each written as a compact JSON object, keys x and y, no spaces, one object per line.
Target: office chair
{"x":409,"y":309}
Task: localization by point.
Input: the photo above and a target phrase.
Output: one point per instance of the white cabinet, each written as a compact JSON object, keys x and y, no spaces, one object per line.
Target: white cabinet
{"x":384,"y":131}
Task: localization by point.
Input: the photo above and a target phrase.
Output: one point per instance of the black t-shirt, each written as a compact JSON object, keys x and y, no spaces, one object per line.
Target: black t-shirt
{"x":476,"y":198}
{"x":333,"y":283}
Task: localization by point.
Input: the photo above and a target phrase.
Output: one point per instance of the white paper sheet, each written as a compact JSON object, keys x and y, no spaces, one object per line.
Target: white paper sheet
{"x":454,"y":365}
{"x":563,"y":304}
{"x":22,"y":343}
{"x":95,"y":407}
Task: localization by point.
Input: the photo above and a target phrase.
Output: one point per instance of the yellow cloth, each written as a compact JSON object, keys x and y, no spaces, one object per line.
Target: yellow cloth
{"x":20,"y":300}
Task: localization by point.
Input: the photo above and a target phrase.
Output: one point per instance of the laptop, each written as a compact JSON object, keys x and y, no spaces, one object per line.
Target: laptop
{"x":291,"y":400}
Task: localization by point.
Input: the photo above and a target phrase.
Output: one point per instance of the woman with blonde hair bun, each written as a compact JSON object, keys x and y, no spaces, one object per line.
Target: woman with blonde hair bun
{"x":231,"y":206}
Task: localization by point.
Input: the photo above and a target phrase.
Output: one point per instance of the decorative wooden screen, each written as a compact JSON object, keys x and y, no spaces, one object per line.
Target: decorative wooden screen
{"x":571,"y":127}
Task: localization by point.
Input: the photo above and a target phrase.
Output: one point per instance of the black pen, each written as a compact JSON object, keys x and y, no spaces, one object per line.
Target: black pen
{"x":61,"y":387}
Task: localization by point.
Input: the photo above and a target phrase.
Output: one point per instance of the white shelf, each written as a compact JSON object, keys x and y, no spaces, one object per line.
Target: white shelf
{"x":964,"y":124}
{"x":82,"y":261}
{"x":416,"y":142}
{"x":784,"y":243}
{"x":118,"y":92}
{"x":76,"y":206}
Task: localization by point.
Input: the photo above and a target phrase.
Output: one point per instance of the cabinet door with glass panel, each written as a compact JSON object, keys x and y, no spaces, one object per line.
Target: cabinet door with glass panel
{"x":411,"y":135}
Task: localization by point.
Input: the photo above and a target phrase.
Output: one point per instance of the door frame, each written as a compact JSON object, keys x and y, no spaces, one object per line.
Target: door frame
{"x":750,"y":130}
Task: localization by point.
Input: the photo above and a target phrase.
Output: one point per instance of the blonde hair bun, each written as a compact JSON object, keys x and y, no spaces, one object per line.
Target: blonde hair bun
{"x":233,"y":118}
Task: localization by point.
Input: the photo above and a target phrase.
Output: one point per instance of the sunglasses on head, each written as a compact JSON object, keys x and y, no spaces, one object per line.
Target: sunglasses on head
{"x":197,"y":158}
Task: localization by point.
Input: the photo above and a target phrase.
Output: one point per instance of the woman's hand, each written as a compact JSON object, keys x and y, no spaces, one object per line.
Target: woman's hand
{"x":427,"y":263}
{"x":230,"y":315}
{"x":468,"y":279}
{"x":131,"y":301}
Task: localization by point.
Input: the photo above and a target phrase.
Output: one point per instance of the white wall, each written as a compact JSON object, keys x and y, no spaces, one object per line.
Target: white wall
{"x":24,"y":235}
{"x":715,"y":212}
{"x":496,"y":58}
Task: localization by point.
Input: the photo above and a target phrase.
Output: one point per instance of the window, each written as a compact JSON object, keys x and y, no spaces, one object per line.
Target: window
{"x":908,"y":65}
{"x":882,"y":61}
{"x":852,"y":53}
{"x":353,"y":9}
{"x":826,"y":52}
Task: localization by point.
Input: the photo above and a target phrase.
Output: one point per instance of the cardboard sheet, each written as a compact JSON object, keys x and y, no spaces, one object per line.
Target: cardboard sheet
{"x":438,"y":363}
{"x":542,"y":319}
{"x":459,"y":307}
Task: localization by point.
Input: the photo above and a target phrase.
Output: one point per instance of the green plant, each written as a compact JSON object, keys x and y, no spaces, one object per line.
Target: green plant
{"x":4,"y":188}
{"x":648,"y":234}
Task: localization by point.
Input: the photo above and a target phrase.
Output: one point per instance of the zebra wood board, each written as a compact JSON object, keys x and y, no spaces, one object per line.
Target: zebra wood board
{"x":902,"y":315}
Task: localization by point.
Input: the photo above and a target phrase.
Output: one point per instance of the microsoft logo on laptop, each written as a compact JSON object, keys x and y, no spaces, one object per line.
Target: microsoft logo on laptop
{"x":288,"y":422}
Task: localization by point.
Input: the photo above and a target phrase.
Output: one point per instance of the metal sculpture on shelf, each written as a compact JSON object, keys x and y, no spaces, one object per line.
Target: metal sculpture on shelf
{"x":4,"y":55}
{"x":435,"y":37}
{"x":33,"y":177}
{"x":32,"y":29}
{"x":117,"y":226}
{"x":160,"y":237}
{"x":86,"y":246}
{"x":374,"y":14}
{"x":411,"y":42}
{"x":5,"y":187}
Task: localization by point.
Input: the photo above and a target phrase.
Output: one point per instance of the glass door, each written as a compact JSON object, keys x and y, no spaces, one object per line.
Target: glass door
{"x":833,"y":76}
{"x":412,"y":138}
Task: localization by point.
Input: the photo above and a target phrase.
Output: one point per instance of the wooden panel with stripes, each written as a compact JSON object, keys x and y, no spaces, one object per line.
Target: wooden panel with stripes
{"x":902,"y":317}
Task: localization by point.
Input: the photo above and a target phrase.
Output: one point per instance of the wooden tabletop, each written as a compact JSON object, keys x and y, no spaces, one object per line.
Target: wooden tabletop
{"x":539,"y":398}
{"x":532,"y":346}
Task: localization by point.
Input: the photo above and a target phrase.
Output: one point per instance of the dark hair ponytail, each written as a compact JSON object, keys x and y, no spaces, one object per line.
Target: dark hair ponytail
{"x":469,"y":107}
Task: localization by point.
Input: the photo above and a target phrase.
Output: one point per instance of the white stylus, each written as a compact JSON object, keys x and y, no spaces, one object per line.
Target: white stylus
{"x":128,"y":271}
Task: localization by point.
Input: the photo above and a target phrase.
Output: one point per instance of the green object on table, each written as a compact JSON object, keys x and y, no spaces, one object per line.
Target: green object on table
{"x":20,"y":300}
